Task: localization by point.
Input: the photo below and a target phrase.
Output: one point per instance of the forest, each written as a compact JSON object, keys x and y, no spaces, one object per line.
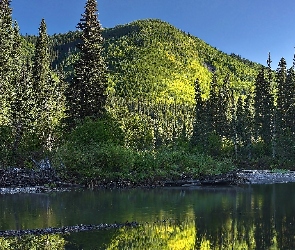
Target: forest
{"x":140,"y":102}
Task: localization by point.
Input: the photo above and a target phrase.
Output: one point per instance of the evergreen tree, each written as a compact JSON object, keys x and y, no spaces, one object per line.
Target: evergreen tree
{"x":87,"y":91}
{"x":283,"y":97}
{"x":41,"y":64}
{"x":48,"y":92}
{"x":6,"y":62}
{"x":21,"y":115}
{"x":200,"y":131}
{"x":272,"y":109}
{"x":213,"y":105}
{"x":290,"y":100}
{"x":245,"y":124}
{"x":224,"y":106}
{"x":263,"y":105}
{"x":248,"y":125}
{"x":40,"y":75}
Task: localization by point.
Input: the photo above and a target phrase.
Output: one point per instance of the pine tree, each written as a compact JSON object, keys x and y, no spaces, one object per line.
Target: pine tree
{"x":87,"y":91}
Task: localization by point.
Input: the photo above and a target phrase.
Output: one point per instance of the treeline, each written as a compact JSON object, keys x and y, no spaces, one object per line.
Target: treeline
{"x":31,"y":97}
{"x":254,"y":126}
{"x":37,"y":105}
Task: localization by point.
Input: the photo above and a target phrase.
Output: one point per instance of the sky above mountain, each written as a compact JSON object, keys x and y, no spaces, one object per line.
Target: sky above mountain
{"x":250,"y":28}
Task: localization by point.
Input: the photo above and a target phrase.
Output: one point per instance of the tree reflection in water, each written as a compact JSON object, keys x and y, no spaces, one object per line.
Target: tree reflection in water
{"x":29,"y":242}
{"x":255,"y":217}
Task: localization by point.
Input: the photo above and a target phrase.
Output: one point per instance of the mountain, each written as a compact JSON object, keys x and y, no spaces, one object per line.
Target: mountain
{"x":153,"y":59}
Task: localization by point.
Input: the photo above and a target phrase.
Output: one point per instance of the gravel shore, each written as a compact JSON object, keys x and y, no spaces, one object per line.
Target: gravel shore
{"x":266,"y":176}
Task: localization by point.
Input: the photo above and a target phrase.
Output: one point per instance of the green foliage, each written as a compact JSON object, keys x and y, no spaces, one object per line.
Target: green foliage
{"x":95,"y":132}
{"x":88,"y":162}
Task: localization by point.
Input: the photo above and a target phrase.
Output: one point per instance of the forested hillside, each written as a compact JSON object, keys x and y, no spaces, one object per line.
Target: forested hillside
{"x":152,"y":59}
{"x":152,"y":69}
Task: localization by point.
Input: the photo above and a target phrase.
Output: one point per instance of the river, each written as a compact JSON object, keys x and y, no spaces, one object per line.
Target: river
{"x":246,"y":217}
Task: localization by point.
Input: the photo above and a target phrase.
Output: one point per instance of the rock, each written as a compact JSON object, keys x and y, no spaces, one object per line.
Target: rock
{"x":66,"y":229}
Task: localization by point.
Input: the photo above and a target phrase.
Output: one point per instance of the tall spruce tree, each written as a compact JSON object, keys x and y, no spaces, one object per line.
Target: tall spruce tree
{"x":283,"y":93}
{"x":48,"y":92}
{"x":41,"y":64}
{"x":87,"y":92}
{"x":263,"y":108}
{"x":245,"y":124}
{"x":6,"y":62}
{"x":290,"y":100}
{"x":21,"y":114}
{"x":200,"y":132}
{"x":272,"y":108}
{"x":213,"y":105}
{"x":40,"y":75}
{"x":223,"y":114}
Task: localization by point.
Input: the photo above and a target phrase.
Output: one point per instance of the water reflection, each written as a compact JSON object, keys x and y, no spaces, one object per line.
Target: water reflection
{"x":253,"y":217}
{"x":53,"y":242}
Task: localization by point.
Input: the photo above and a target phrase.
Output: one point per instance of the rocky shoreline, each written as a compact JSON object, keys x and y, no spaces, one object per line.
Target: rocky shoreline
{"x":239,"y":177}
{"x":65,"y":230}
{"x":41,"y":180}
{"x":45,"y":180}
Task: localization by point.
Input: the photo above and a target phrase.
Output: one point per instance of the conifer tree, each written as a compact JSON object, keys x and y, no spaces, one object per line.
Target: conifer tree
{"x":263,"y":108}
{"x":272,"y":108}
{"x":248,"y":125}
{"x":48,"y":92}
{"x":6,"y":48}
{"x":213,"y":105}
{"x":87,"y":91}
{"x":41,"y":64}
{"x":283,"y":93}
{"x":217,"y":116}
{"x":245,"y":124}
{"x":21,"y":116}
{"x":290,"y":101}
{"x":224,"y":108}
{"x":201,"y":120}
{"x":40,"y":75}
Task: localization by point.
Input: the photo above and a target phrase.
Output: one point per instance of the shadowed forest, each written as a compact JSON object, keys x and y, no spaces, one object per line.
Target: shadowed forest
{"x":139,"y":102}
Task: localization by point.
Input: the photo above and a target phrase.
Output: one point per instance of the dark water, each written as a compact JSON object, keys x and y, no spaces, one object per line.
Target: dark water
{"x":250,"y":217}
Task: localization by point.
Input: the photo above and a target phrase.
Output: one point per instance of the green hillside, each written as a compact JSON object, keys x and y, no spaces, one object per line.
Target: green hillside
{"x":152,"y":59}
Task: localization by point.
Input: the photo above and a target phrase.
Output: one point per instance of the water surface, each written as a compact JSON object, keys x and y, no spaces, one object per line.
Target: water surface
{"x":248,"y":217}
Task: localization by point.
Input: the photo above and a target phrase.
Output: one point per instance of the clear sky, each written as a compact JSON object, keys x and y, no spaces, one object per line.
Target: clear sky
{"x":250,"y":28}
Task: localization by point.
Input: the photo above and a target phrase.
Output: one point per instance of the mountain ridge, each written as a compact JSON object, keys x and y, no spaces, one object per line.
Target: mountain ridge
{"x":151,"y":58}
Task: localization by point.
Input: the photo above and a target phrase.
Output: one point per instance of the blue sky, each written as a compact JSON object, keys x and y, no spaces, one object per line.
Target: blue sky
{"x":250,"y":28}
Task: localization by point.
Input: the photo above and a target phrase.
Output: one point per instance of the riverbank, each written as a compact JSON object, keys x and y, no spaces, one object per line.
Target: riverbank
{"x":41,"y":180}
{"x":16,"y":180}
